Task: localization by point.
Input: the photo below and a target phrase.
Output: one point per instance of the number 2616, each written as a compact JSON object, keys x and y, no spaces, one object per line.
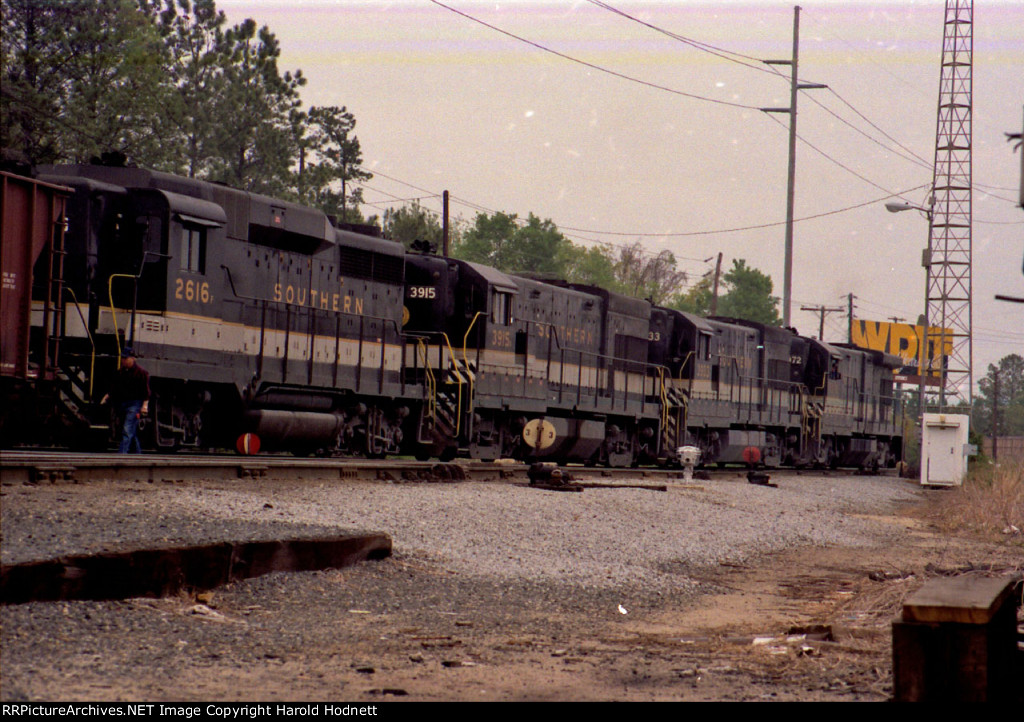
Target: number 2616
{"x":192,"y":290}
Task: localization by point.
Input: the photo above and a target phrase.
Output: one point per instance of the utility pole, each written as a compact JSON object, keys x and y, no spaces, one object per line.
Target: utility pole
{"x":714,"y":292}
{"x":822,"y":310}
{"x":849,"y":316}
{"x":995,"y":415}
{"x":794,"y":86}
{"x":444,"y":224}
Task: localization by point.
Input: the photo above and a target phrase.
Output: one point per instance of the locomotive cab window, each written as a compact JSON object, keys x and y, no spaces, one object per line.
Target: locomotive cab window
{"x":703,"y":346}
{"x":193,"y":249}
{"x":501,"y":308}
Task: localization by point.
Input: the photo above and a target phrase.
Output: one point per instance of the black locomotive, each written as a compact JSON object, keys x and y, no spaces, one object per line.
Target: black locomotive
{"x":263,"y":320}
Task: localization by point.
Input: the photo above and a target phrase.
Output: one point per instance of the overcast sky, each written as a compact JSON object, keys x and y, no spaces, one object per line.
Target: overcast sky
{"x":444,"y":102}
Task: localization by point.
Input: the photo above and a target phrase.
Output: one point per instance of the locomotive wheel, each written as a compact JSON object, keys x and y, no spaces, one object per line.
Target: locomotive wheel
{"x":422,"y":453}
{"x":448,"y":453}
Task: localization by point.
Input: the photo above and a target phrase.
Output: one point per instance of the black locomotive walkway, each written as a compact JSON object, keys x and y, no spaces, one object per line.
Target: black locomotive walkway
{"x":166,"y":571}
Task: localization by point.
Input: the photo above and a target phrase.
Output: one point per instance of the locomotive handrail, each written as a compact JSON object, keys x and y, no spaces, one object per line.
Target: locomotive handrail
{"x":465,"y":358}
{"x":135,"y":292}
{"x":663,"y":395}
{"x":113,"y":312}
{"x":453,"y":360}
{"x":314,"y":311}
{"x":421,"y":345}
{"x":682,"y":367}
{"x":461,"y":381}
{"x":92,"y":342}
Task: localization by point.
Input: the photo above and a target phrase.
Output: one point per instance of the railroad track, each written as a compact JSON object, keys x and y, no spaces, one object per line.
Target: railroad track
{"x":56,"y":467}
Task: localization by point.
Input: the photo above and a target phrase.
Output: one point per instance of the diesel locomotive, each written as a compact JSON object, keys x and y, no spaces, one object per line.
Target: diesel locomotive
{"x":264,"y":323}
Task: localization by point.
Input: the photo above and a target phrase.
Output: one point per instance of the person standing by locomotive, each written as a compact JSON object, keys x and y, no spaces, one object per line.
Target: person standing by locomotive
{"x":130,"y":395}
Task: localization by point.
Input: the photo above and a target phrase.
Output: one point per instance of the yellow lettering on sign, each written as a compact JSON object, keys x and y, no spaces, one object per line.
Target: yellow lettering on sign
{"x":871,"y":334}
{"x":903,"y":341}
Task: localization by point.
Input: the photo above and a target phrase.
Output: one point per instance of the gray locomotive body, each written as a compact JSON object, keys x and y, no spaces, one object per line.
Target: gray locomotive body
{"x":264,"y":323}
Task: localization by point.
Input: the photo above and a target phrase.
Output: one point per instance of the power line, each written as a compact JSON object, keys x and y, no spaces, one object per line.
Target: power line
{"x":836,"y":162}
{"x":563,"y":229}
{"x":704,"y":47}
{"x":882,"y":188}
{"x":912,"y":157}
{"x":592,"y":66}
{"x":889,"y":137}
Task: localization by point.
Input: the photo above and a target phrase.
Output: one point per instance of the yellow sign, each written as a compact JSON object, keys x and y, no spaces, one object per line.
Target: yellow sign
{"x":906,"y":341}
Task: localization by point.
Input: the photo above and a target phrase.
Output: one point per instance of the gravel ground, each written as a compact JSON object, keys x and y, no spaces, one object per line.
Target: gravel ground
{"x":599,"y":538}
{"x":494,"y":591}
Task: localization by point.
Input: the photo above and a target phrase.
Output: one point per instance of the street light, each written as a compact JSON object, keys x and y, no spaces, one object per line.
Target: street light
{"x":896,"y":207}
{"x":926,"y":261}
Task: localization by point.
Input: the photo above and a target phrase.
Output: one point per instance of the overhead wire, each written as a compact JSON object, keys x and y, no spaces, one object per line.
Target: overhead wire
{"x":704,"y":47}
{"x":863,"y":117}
{"x":909,"y":155}
{"x":724,"y":54}
{"x":828,"y":157}
{"x":592,"y":66}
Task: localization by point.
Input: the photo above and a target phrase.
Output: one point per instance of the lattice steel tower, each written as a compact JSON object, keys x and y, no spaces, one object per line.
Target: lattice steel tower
{"x":948,"y":260}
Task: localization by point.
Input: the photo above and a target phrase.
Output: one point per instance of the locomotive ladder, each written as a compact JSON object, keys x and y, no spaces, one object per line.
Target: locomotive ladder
{"x":71,"y":391}
{"x":443,"y":412}
{"x":54,"y":306}
{"x":673,"y":415}
{"x":811,"y":426}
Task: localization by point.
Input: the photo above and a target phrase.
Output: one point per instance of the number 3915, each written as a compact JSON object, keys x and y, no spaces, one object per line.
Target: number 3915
{"x":422,"y":292}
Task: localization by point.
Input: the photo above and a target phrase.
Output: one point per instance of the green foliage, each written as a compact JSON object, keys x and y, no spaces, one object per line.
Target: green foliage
{"x":195,"y":72}
{"x":166,"y":84}
{"x":252,"y":141}
{"x":695,"y":300}
{"x":594,"y":266}
{"x":327,"y":179}
{"x":537,"y":247}
{"x":500,"y":241}
{"x":413,"y":223}
{"x":81,"y":78}
{"x":1010,"y":400}
{"x":749,"y":295}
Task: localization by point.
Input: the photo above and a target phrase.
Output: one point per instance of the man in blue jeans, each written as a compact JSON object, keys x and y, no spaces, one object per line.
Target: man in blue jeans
{"x":130,"y":396}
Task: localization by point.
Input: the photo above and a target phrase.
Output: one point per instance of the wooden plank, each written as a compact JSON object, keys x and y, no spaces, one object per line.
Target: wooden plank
{"x":963,"y":600}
